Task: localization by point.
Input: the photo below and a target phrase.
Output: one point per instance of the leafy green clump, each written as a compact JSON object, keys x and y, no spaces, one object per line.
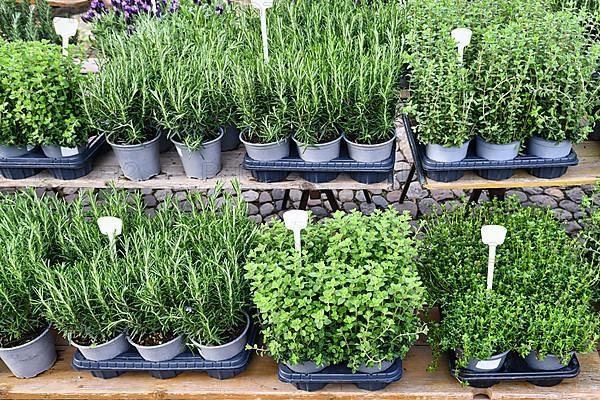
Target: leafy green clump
{"x":352,"y":296}
{"x":538,"y":268}
{"x":40,"y":99}
{"x":19,"y":20}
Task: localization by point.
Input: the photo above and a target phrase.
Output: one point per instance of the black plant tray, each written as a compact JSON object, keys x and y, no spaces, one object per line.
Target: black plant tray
{"x":514,"y":369}
{"x":545,"y":168}
{"x":341,"y":374}
{"x":187,"y":361}
{"x":278,"y":170}
{"x":66,"y":168}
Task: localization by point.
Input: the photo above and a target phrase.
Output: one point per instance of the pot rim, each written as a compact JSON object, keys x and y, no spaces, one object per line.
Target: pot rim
{"x":316,"y":145}
{"x":287,"y":364}
{"x":176,"y":338}
{"x":27,"y":343}
{"x":242,"y":131}
{"x":513,"y":143}
{"x":536,"y":354}
{"x":129,"y":146}
{"x":465,"y":143}
{"x":244,"y":333}
{"x":552,"y":142}
{"x":390,"y":140}
{"x":221,"y":133}
{"x":92,"y":347}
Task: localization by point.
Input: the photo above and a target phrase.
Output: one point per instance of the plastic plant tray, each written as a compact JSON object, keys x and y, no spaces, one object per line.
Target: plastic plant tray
{"x":187,"y":361}
{"x":340,"y":374}
{"x":545,"y":168}
{"x":278,"y":170}
{"x":66,"y":168}
{"x":514,"y":369}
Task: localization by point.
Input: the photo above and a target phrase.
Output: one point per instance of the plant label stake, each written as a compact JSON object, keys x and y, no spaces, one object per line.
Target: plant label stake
{"x":262,"y":5}
{"x":296,"y":220}
{"x":65,"y":28}
{"x":462,"y":36}
{"x":111,"y":227}
{"x":492,"y":235}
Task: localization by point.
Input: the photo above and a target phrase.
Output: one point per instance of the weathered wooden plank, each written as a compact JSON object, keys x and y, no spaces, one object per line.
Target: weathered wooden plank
{"x":106,"y":172}
{"x":260,"y":382}
{"x":587,"y":172}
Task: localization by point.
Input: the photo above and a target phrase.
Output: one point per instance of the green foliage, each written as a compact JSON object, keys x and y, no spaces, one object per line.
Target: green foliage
{"x":25,"y":231}
{"x":353,"y":295}
{"x":21,"y":21}
{"x":81,"y":300}
{"x":39,"y":96}
{"x":538,"y":267}
{"x":526,"y":72}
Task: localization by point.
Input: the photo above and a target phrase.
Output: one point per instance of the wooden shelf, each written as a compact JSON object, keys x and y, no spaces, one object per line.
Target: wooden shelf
{"x":587,"y":172}
{"x":106,"y":172}
{"x":260,"y":382}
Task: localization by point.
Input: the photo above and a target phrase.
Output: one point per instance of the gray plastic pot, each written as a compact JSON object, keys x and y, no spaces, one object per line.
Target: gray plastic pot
{"x":104,"y":351}
{"x":307,"y":367}
{"x":204,"y":162}
{"x":139,"y":162}
{"x":162,"y":352}
{"x":226,"y":351}
{"x":376,"y":368}
{"x":231,"y":138}
{"x":14,"y":151}
{"x":440,"y":153}
{"x":492,"y":364}
{"x":497,"y":152}
{"x":32,"y":358}
{"x":549,"y":363}
{"x":321,"y":152}
{"x":268,"y":151}
{"x":370,"y":152}
{"x":60,"y":152}
{"x":536,"y":146}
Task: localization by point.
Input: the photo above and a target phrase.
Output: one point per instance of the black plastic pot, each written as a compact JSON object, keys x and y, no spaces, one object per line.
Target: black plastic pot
{"x":514,"y":369}
{"x":341,"y":374}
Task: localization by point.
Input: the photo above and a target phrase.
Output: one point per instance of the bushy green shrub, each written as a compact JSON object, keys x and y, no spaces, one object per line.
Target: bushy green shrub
{"x":39,"y":96}
{"x":352,"y":296}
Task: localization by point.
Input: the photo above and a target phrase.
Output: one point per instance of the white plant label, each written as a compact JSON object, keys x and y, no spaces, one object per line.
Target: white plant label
{"x":296,"y":220}
{"x":493,"y":236}
{"x":111,"y":227}
{"x":65,"y":28}
{"x":262,"y":5}
{"x":462,"y":36}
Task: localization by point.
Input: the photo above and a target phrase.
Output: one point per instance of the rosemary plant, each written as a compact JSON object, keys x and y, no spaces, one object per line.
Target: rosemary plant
{"x":19,"y":20}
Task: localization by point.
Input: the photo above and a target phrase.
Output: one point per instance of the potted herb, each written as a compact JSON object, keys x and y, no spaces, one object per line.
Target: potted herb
{"x":555,"y":331}
{"x":26,"y":342}
{"x":80,"y":300}
{"x":51,"y":117}
{"x":214,"y":315}
{"x":118,"y":101}
{"x":564,"y":62}
{"x":22,"y":21}
{"x":482,"y":326}
{"x":260,"y":94}
{"x":348,"y":298}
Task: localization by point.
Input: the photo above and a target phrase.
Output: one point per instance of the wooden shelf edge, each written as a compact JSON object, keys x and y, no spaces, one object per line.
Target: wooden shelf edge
{"x":260,"y":381}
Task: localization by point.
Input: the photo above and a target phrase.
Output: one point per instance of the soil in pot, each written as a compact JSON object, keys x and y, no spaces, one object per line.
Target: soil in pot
{"x":447,"y":154}
{"x":139,"y":162}
{"x":497,"y":152}
{"x":266,"y":151}
{"x":369,"y":153}
{"x":236,"y":343}
{"x":158,"y":347}
{"x":203,"y":163}
{"x":31,"y":355}
{"x":103,"y":351}
{"x":320,"y":152}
